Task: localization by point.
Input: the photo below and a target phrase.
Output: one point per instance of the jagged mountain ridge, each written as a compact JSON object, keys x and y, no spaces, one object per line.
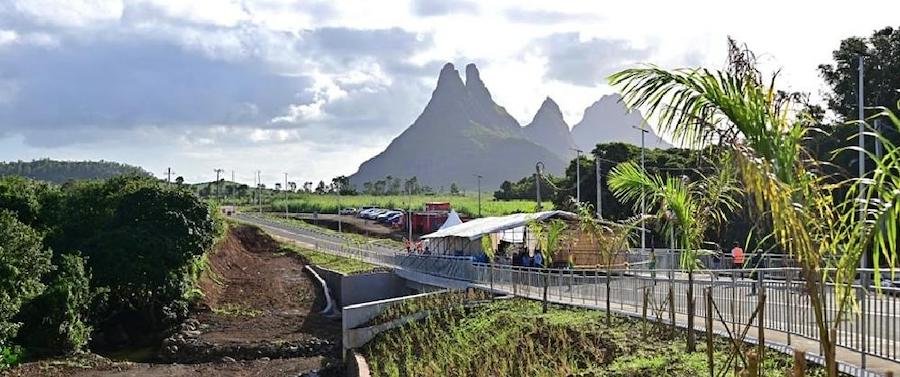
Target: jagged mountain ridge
{"x":463,"y":132}
{"x":460,"y":133}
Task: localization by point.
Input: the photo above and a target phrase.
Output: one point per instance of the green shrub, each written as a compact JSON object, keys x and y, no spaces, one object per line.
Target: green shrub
{"x":23,"y":261}
{"x":10,"y":356}
{"x":55,"y":321}
{"x":27,"y":199}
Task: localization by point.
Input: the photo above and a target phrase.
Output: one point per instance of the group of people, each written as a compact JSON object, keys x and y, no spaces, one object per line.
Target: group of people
{"x":523,"y":259}
{"x":416,"y":247}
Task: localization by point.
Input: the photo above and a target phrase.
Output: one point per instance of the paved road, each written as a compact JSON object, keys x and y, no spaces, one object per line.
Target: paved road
{"x":786,"y":306}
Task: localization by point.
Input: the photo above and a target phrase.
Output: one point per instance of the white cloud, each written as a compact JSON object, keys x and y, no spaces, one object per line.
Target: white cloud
{"x":230,"y":81}
{"x":70,"y":13}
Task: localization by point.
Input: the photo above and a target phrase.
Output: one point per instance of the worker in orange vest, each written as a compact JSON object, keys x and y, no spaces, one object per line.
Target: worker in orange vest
{"x":737,"y":257}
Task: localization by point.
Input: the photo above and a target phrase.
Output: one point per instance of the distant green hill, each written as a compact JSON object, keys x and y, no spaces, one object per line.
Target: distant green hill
{"x":63,"y":171}
{"x":228,"y":189}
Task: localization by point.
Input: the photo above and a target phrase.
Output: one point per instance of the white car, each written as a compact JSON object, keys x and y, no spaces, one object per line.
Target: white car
{"x":347,"y":211}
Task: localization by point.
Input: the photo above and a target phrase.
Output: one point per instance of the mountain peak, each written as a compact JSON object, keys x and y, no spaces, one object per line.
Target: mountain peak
{"x":449,"y":81}
{"x":472,"y":75}
{"x":609,"y":120}
{"x":549,"y":129}
{"x":549,"y":105}
{"x":474,"y":84}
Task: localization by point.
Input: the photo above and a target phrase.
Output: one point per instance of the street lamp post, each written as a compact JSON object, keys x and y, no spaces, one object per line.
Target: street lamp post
{"x":643,"y":202}
{"x":599,"y":187}
{"x":479,"y":193}
{"x":577,"y":174}
{"x":537,"y":182}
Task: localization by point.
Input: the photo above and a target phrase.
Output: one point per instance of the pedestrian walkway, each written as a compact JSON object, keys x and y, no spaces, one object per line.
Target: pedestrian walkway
{"x":734,"y":296}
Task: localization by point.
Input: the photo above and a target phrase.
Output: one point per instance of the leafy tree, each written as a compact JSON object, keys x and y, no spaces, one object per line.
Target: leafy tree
{"x":23,"y":261}
{"x":454,"y":189}
{"x":881,"y":52}
{"x":27,"y":199}
{"x":881,"y":78}
{"x":138,"y":238}
{"x":56,"y":321}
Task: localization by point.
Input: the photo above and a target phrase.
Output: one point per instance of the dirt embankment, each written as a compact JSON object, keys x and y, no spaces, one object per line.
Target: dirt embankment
{"x":259,"y":317}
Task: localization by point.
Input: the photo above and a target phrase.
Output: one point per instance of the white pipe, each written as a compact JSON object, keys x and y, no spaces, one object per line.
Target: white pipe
{"x":329,"y":302}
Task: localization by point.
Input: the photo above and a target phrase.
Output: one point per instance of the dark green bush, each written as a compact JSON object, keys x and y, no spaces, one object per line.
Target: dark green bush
{"x":56,"y":321}
{"x":23,"y":261}
{"x":28,"y":199}
{"x":138,"y":238}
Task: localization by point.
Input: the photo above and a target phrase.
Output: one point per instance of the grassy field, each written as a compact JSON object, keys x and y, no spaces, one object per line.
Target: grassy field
{"x":462,"y":204}
{"x":513,"y":338}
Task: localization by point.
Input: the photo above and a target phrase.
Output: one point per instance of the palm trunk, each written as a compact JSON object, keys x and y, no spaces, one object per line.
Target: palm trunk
{"x":816,"y":299}
{"x":546,"y":284}
{"x":608,"y":301}
{"x":691,"y":336}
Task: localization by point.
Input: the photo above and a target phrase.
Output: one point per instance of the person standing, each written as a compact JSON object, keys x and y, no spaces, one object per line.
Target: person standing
{"x":737,"y":257}
{"x":538,"y":259}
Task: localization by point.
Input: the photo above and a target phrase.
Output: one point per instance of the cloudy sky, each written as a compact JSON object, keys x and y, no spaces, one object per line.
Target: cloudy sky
{"x":313,"y":88}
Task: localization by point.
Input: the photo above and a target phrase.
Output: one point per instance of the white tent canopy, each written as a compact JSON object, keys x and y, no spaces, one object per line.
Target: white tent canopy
{"x":452,"y":220}
{"x":474,"y":229}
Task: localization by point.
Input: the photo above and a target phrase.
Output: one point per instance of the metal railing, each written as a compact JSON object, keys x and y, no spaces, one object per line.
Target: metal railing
{"x":871,"y":328}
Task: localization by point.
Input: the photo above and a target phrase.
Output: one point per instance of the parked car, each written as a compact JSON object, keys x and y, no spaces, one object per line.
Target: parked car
{"x":393,"y":218}
{"x":347,"y":211}
{"x":372,"y":214}
{"x":385,"y":216}
{"x":365,"y":214}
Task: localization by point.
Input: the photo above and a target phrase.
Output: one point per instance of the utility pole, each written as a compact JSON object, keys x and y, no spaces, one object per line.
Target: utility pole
{"x":168,"y":176}
{"x":599,"y":187}
{"x":285,"y":195}
{"x":479,"y":194}
{"x":232,"y":176}
{"x":862,"y":147}
{"x":340,"y":185}
{"x":258,"y":190}
{"x":537,"y":182}
{"x":408,"y":211}
{"x":643,"y":202}
{"x":577,"y":174}
{"x":218,"y":183}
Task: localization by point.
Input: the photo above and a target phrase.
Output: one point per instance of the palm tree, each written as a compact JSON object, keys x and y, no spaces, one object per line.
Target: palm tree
{"x":549,"y":236}
{"x":611,"y":239}
{"x":817,"y":228}
{"x":685,"y":211}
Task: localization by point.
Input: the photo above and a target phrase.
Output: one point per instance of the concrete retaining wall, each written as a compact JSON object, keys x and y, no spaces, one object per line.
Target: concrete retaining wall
{"x":366,"y":287}
{"x":355,"y":316}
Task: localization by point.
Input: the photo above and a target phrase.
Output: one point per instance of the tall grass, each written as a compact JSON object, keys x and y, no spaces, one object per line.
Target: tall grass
{"x":463,"y":204}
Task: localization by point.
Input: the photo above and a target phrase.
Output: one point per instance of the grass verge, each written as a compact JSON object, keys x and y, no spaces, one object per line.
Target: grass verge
{"x":346,"y":266}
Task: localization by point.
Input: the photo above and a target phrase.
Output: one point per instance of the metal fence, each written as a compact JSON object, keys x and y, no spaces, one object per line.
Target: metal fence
{"x":871,"y":327}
